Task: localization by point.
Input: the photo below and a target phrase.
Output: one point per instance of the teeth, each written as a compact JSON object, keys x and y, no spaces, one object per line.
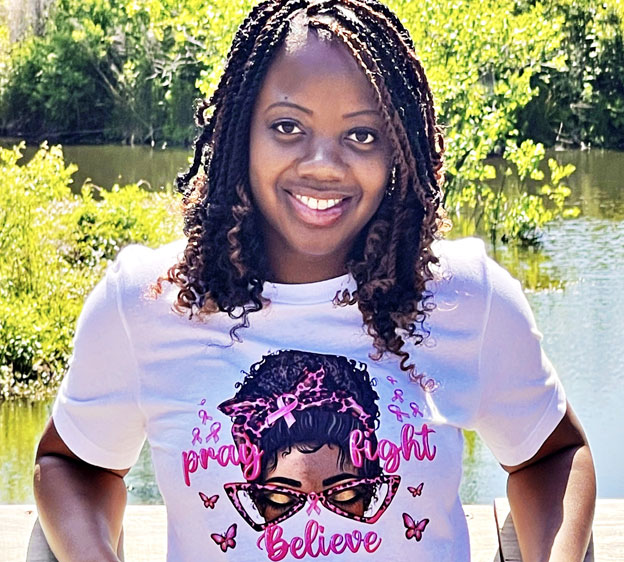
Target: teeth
{"x":317,"y":204}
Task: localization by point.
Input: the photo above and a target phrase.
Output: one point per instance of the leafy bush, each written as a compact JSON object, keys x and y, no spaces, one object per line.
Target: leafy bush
{"x":55,"y":246}
{"x":583,"y":102}
{"x":480,"y":60}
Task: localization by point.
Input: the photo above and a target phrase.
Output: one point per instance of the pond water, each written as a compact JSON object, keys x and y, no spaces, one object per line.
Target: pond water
{"x":575,"y":285}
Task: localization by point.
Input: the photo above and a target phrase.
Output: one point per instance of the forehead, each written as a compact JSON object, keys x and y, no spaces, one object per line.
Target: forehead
{"x":316,"y":71}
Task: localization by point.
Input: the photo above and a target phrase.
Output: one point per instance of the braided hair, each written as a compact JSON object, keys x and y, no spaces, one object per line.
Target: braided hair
{"x":224,"y":265}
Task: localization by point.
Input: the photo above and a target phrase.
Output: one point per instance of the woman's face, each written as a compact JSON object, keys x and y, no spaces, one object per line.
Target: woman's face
{"x":319,"y":159}
{"x":311,"y":471}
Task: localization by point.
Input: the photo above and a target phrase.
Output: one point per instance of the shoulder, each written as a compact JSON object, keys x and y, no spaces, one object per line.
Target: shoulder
{"x":465,"y":264}
{"x":139,"y":263}
{"x":464,"y":260}
{"x":134,"y":271}
{"x":469,"y":282}
{"x":137,"y":266}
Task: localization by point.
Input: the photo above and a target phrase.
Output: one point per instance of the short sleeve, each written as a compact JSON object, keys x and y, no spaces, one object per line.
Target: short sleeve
{"x":522,"y":397}
{"x":96,"y":411}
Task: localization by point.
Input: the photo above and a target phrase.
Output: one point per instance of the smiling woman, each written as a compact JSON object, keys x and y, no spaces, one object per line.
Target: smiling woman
{"x":313,"y":259}
{"x":319,"y":159}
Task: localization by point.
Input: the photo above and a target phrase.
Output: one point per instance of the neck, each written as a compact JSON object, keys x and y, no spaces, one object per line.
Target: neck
{"x":286,"y":268}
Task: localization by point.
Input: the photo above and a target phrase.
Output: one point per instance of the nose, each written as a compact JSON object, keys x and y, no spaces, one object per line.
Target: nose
{"x":322,"y":162}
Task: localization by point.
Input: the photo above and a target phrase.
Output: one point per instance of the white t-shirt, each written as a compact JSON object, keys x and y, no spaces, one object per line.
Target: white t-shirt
{"x":139,"y":371}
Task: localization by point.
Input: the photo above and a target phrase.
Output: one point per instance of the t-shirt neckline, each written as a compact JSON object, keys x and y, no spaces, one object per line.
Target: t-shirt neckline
{"x":308,"y":293}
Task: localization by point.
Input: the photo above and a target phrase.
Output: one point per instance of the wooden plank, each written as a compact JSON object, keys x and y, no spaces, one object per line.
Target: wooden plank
{"x":606,"y":545}
{"x":483,"y":536}
{"x":16,"y":523}
{"x":21,"y":537}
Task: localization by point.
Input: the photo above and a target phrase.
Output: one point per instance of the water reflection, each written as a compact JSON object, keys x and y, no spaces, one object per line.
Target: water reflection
{"x":597,"y":182}
{"x":21,"y":425}
{"x":106,"y":165}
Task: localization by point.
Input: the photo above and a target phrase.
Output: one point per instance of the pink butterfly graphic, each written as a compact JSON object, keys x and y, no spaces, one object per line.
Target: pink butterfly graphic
{"x":208,"y":502}
{"x":413,"y":529}
{"x":225,"y":541}
{"x":416,"y":491}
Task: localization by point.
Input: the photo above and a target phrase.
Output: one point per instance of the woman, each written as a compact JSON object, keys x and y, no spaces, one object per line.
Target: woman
{"x":312,"y":222}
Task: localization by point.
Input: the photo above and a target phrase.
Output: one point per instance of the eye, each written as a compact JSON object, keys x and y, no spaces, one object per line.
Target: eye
{"x":347,"y":496}
{"x":289,"y":128}
{"x":278,"y":500}
{"x":362,"y":136}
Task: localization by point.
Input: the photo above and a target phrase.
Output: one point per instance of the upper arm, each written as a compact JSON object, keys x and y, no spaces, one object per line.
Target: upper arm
{"x":52,"y":444}
{"x":568,"y":434}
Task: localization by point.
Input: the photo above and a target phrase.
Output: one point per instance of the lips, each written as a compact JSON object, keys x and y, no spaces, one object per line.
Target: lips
{"x":316,"y":210}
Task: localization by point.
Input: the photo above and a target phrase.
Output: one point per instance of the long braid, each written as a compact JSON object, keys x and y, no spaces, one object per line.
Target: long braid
{"x":224,"y":265}
{"x":384,"y":324}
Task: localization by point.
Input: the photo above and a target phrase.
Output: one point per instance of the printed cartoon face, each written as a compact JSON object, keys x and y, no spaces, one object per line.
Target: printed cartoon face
{"x":312,"y":469}
{"x":319,"y":159}
{"x":302,"y":422}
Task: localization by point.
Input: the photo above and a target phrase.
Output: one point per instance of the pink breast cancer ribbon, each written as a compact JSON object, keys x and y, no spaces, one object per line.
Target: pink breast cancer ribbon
{"x":391,"y":380}
{"x":398,"y":395}
{"x":214,"y":432}
{"x":196,"y":436}
{"x":415,"y":409}
{"x":313,"y":504}
{"x":284,"y":409}
{"x":398,"y":412}
{"x":203,"y":416}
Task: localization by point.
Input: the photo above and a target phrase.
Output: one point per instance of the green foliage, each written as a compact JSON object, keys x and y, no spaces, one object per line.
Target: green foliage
{"x":502,"y":72}
{"x":480,"y":61}
{"x":106,"y":70}
{"x":513,"y":202}
{"x":55,"y":246}
{"x":583,"y":103}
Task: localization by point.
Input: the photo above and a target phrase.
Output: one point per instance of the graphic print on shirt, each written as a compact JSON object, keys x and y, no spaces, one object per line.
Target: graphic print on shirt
{"x":209,"y":502}
{"x":304,"y":434}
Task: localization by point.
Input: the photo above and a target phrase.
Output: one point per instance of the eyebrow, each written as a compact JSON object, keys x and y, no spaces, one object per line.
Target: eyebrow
{"x":338,"y":478}
{"x":284,"y":480}
{"x":310,"y":112}
{"x":356,"y":113}
{"x":289,"y":104}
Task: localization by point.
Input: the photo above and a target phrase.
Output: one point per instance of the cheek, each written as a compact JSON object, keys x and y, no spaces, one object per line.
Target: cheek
{"x":374,"y":176}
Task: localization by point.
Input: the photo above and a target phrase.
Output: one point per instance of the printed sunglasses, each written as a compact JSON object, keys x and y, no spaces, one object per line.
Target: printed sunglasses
{"x":364,"y":500}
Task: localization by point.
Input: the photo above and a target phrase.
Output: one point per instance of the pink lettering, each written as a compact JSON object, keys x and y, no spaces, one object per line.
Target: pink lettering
{"x":355,"y":447}
{"x":354,"y":540}
{"x":413,"y":443}
{"x":189,"y":465}
{"x":313,"y":542}
{"x":409,"y":444}
{"x":247,"y":455}
{"x":277,"y":547}
{"x":336,"y":544}
{"x":371,"y":541}
{"x":390,"y":454}
{"x":296,"y":548}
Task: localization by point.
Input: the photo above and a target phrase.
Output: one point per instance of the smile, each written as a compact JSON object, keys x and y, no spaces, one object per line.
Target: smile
{"x":317,"y":212}
{"x":317,"y":204}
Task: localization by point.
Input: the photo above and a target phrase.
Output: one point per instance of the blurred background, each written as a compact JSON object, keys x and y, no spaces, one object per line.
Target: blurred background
{"x":96,"y":120}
